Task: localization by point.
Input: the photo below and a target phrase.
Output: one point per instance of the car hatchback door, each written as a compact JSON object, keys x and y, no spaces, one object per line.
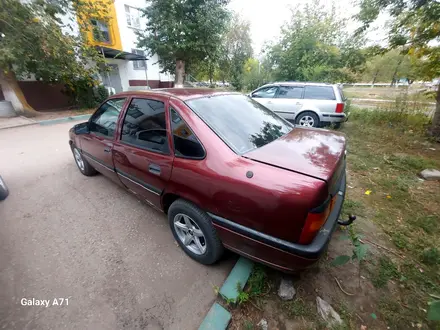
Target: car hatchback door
{"x":288,"y":101}
{"x":142,"y":156}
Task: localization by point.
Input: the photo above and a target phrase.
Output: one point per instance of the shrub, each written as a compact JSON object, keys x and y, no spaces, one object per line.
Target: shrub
{"x":85,"y":95}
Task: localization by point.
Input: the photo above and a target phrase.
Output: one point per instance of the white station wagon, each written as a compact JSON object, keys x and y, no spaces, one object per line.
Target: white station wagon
{"x":306,"y":104}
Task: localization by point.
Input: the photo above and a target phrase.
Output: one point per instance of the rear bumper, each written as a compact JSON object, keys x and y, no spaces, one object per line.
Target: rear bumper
{"x":274,"y":252}
{"x":334,"y":117}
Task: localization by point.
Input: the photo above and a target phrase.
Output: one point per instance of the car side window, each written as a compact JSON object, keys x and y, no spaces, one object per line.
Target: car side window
{"x":144,"y":125}
{"x":186,"y":143}
{"x":290,"y":92}
{"x":319,"y":93}
{"x":266,"y":92}
{"x":104,"y":120}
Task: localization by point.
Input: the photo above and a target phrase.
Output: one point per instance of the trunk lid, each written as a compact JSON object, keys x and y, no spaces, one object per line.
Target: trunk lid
{"x":314,"y":152}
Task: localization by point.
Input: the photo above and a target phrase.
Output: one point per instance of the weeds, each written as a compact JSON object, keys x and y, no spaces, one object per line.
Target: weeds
{"x":299,"y":308}
{"x":386,"y":270}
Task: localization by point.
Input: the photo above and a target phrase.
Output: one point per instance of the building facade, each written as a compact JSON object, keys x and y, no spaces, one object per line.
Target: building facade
{"x":131,"y":68}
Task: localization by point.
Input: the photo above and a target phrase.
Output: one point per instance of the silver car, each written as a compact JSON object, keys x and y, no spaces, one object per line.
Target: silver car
{"x":306,"y":104}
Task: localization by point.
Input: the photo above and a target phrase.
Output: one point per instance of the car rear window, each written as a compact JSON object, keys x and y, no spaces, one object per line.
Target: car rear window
{"x":239,"y":121}
{"x":319,"y":93}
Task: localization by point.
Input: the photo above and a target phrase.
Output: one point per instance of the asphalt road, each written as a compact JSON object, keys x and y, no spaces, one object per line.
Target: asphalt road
{"x":64,"y":235}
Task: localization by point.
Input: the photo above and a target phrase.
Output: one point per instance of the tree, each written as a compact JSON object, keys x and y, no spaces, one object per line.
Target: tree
{"x":236,"y":49}
{"x":313,"y":46}
{"x":32,"y":42}
{"x":416,"y":28}
{"x":256,"y":74}
{"x":391,"y":66}
{"x":183,"y":32}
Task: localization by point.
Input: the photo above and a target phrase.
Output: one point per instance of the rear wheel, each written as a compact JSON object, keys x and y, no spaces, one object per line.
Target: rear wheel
{"x":193,"y":230}
{"x":83,"y":165}
{"x":308,"y":119}
{"x":4,"y":192}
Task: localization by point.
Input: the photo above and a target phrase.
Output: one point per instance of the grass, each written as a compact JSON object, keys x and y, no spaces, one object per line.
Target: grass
{"x":386,"y":152}
{"x":385,"y":93}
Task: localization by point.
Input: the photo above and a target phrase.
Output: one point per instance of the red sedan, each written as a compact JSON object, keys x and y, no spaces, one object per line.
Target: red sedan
{"x":228,"y":172}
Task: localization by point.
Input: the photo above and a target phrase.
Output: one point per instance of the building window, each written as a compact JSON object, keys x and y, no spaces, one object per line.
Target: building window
{"x":101,"y":31}
{"x":139,"y":65}
{"x":132,"y":16}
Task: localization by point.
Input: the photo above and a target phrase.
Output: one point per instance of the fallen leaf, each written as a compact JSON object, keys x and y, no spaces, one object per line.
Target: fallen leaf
{"x":368,"y":192}
{"x":421,"y":270}
{"x":363,"y":327}
{"x":373,"y":316}
{"x":389,"y":196}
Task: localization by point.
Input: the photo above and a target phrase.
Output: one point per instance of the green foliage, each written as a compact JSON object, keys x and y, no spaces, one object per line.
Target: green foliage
{"x":183,"y":30}
{"x":256,"y":74}
{"x":86,"y":96}
{"x":430,"y":256}
{"x":385,"y":271}
{"x":314,"y":47}
{"x":299,"y":308}
{"x":32,"y":41}
{"x":434,"y":311}
{"x":340,"y":260}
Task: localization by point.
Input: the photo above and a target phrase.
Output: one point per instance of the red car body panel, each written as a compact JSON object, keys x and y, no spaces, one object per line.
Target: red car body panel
{"x":291,"y":176}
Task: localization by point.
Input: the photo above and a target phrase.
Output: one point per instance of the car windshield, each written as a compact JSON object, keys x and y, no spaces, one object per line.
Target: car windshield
{"x":240,"y":122}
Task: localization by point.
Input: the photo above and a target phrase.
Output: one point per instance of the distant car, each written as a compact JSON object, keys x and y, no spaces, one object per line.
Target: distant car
{"x":4,"y":192}
{"x":306,"y":104}
{"x":228,"y":172}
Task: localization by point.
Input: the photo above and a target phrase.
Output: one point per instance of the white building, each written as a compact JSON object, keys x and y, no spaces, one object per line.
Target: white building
{"x":118,"y":41}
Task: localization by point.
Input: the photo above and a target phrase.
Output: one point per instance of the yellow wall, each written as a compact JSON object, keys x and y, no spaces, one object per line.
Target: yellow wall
{"x":115,"y":37}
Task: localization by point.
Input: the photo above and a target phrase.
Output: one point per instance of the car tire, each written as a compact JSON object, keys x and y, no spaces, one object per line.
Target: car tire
{"x":203,"y":243}
{"x":336,"y":125}
{"x":4,"y":191}
{"x":83,"y":165}
{"x":307,"y":119}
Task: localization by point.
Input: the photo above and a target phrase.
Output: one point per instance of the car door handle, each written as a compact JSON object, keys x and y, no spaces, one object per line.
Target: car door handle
{"x":107,"y":149}
{"x":86,"y":138}
{"x":153,"y":168}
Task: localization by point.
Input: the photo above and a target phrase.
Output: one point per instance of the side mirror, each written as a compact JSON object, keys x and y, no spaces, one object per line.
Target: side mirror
{"x":82,"y":128}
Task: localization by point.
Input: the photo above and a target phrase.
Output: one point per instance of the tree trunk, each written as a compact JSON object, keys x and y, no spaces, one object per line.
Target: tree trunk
{"x":395,"y":70}
{"x":13,"y":93}
{"x":180,"y":73}
{"x":374,"y":78}
{"x":435,"y":128}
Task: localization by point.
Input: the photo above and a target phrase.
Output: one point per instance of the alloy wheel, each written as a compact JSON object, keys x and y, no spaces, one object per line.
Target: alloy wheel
{"x":307,"y":121}
{"x":190,"y":234}
{"x":78,"y":159}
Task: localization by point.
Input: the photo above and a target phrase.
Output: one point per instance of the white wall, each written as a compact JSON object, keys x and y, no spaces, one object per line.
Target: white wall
{"x":129,"y":42}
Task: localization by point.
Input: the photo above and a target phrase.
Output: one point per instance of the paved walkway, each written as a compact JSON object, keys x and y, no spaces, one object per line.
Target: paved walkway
{"x":15,"y":122}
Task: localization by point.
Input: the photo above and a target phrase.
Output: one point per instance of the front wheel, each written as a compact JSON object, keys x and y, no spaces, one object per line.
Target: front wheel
{"x":193,"y":230}
{"x":83,"y":165}
{"x":4,"y":191}
{"x":308,"y":119}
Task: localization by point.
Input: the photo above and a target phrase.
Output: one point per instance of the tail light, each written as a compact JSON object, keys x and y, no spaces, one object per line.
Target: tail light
{"x":340,"y":108}
{"x":315,"y":220}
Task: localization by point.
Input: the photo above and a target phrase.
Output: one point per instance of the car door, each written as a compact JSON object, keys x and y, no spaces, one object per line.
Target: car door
{"x":97,"y":145}
{"x":265,"y":95}
{"x":142,"y":154}
{"x":288,"y":101}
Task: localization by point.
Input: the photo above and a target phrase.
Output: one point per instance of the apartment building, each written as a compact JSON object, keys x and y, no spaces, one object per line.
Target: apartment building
{"x":117,"y":40}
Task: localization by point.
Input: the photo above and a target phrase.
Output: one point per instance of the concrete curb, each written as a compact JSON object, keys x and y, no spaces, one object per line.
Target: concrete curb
{"x":32,"y":122}
{"x":63,"y":120}
{"x":218,"y":317}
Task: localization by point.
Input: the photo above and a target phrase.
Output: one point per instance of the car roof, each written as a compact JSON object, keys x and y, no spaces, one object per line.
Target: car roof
{"x":183,"y":94}
{"x":302,"y":83}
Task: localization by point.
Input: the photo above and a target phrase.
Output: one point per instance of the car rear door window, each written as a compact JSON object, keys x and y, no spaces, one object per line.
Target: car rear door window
{"x":103,"y":122}
{"x":144,"y":125}
{"x":319,"y":93}
{"x":186,"y":144}
{"x":290,"y":92}
{"x":266,"y":92}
